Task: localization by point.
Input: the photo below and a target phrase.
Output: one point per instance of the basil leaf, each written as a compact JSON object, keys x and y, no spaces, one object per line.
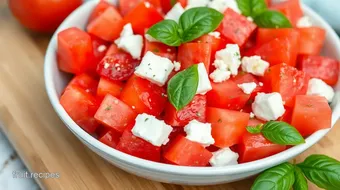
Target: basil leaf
{"x":166,"y":31}
{"x":272,"y":19}
{"x":322,"y":171}
{"x":300,"y":180}
{"x":255,"y":130}
{"x":196,"y":22}
{"x":183,"y":86}
{"x":280,"y":177}
{"x":282,"y":133}
{"x":252,"y":8}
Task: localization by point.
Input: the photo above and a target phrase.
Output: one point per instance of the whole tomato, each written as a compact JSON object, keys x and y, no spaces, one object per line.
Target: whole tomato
{"x":42,"y":15}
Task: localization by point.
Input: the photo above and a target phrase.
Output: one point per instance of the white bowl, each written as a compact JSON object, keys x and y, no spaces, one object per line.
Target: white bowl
{"x":56,"y":80}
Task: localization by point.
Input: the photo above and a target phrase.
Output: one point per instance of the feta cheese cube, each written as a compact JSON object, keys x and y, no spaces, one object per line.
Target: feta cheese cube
{"x":149,"y":38}
{"x":215,"y":34}
{"x":203,"y":82}
{"x":248,"y":88}
{"x":199,"y":132}
{"x":129,"y":42}
{"x":177,"y":66}
{"x":254,"y":65}
{"x":319,"y":88}
{"x":304,"y":22}
{"x":155,"y":68}
{"x":231,"y":57}
{"x":127,"y":30}
{"x":224,"y":157}
{"x":219,"y":75}
{"x":175,"y":13}
{"x":222,"y":5}
{"x":268,"y":106}
{"x":151,"y":129}
{"x":196,"y":3}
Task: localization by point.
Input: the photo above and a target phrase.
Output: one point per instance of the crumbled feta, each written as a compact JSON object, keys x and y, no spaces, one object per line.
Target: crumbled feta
{"x":175,"y":13}
{"x":149,"y":128}
{"x":203,"y":82}
{"x":215,"y":34}
{"x":254,"y":65}
{"x":268,"y":106}
{"x":231,"y":58}
{"x":251,"y":115}
{"x":149,"y":38}
{"x":304,"y":22}
{"x":224,"y":157}
{"x":177,"y":66}
{"x":199,"y":132}
{"x":219,"y":64}
{"x":129,"y":42}
{"x":248,"y":88}
{"x":222,"y":5}
{"x":196,"y":3}
{"x":319,"y":88}
{"x":219,"y":75}
{"x":101,"y":48}
{"x":155,"y":68}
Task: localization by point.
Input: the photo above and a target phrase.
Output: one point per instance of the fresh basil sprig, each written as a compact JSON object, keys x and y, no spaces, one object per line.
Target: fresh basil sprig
{"x":300,"y":180}
{"x":255,"y":130}
{"x":252,"y":8}
{"x":193,"y":23}
{"x":183,"y":86}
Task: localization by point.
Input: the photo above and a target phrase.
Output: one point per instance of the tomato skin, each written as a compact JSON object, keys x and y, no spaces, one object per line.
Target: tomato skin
{"x":98,"y":54}
{"x":144,"y":96}
{"x":290,"y":8}
{"x":194,"y":110}
{"x":160,"y":49}
{"x":311,"y":40}
{"x":310,"y":114}
{"x":42,"y":16}
{"x":287,"y":116}
{"x":178,"y":153}
{"x":324,"y":68}
{"x":166,"y":4}
{"x":111,"y":138}
{"x":114,"y":113}
{"x":99,"y":9}
{"x":84,"y":81}
{"x":106,"y":86}
{"x":113,"y":49}
{"x":236,"y":27}
{"x":81,"y":107}
{"x":227,"y":126}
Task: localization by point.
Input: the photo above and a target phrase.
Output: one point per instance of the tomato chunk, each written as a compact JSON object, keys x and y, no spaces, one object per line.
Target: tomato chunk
{"x":227,"y":95}
{"x":161,"y":50}
{"x":106,"y":86}
{"x":311,"y":40}
{"x":265,"y":35}
{"x":194,"y":110}
{"x":144,"y":96}
{"x":254,"y":122}
{"x":114,"y":113}
{"x":99,"y":50}
{"x":111,"y":138}
{"x":74,"y":51}
{"x":255,"y":147}
{"x":290,"y":8}
{"x":125,"y":6}
{"x":167,"y":4}
{"x":194,"y":53}
{"x":81,"y":107}
{"x":310,"y":114}
{"x":99,"y":9}
{"x":236,"y":27}
{"x":107,"y":25}
{"x":184,"y":152}
{"x":84,"y":81}
{"x":227,"y":126}
{"x":320,"y":67}
{"x":247,"y":78}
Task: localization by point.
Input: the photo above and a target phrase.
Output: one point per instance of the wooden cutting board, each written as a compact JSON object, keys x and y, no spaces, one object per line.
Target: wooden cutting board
{"x":46,"y":145}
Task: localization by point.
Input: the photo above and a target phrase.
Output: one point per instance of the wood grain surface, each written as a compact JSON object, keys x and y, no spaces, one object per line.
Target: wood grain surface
{"x":46,"y":145}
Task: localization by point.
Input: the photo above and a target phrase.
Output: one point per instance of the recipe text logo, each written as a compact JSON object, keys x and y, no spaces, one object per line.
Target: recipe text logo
{"x":35,"y":175}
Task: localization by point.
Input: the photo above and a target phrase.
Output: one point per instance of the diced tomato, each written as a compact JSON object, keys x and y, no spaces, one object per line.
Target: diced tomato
{"x":184,"y":152}
{"x":85,"y":82}
{"x":144,"y":96}
{"x":117,"y":67}
{"x":287,"y":116}
{"x":175,"y":132}
{"x":194,"y":110}
{"x":138,"y":147}
{"x":311,"y":40}
{"x":114,"y":113}
{"x":288,"y":81}
{"x":113,"y":49}
{"x":107,"y":25}
{"x":265,"y":35}
{"x":227,"y":95}
{"x":255,"y":147}
{"x":106,"y":86}
{"x":102,"y":130}
{"x":81,"y":107}
{"x":310,"y":114}
{"x":236,"y":27}
{"x":99,"y":9}
{"x":290,"y":8}
{"x":74,"y":51}
{"x":99,"y":50}
{"x":111,"y":138}
{"x":253,"y":122}
{"x":194,"y":53}
{"x":161,"y":50}
{"x":125,"y":6}
{"x":167,"y":4}
{"x":143,"y":16}
{"x":227,"y":126}
{"x":324,"y":68}
{"x":247,"y":78}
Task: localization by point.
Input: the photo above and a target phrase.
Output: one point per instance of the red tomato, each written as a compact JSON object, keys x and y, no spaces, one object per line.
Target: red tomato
{"x":254,"y":122}
{"x":311,"y":40}
{"x":287,"y":81}
{"x":255,"y":147}
{"x":102,"y":130}
{"x":107,"y":25}
{"x":236,"y":27}
{"x":75,"y":52}
{"x":290,"y":8}
{"x":143,"y":16}
{"x":125,"y":6}
{"x":117,"y":67}
{"x":265,"y":35}
{"x":287,"y":116}
{"x":246,"y":78}
{"x":227,"y":95}
{"x":310,"y":114}
{"x":42,"y":16}
{"x":81,"y":107}
{"x":176,"y":131}
{"x":113,"y":49}
{"x":324,"y":68}
{"x":114,"y":113}
{"x":184,"y":152}
{"x":160,"y":50}
{"x":106,"y":86}
{"x":167,"y":4}
{"x":99,"y":9}
{"x":194,"y":53}
{"x":227,"y":126}
{"x":111,"y":138}
{"x":99,"y":50}
{"x":85,"y":82}
{"x":144,"y":96}
{"x":194,"y":110}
